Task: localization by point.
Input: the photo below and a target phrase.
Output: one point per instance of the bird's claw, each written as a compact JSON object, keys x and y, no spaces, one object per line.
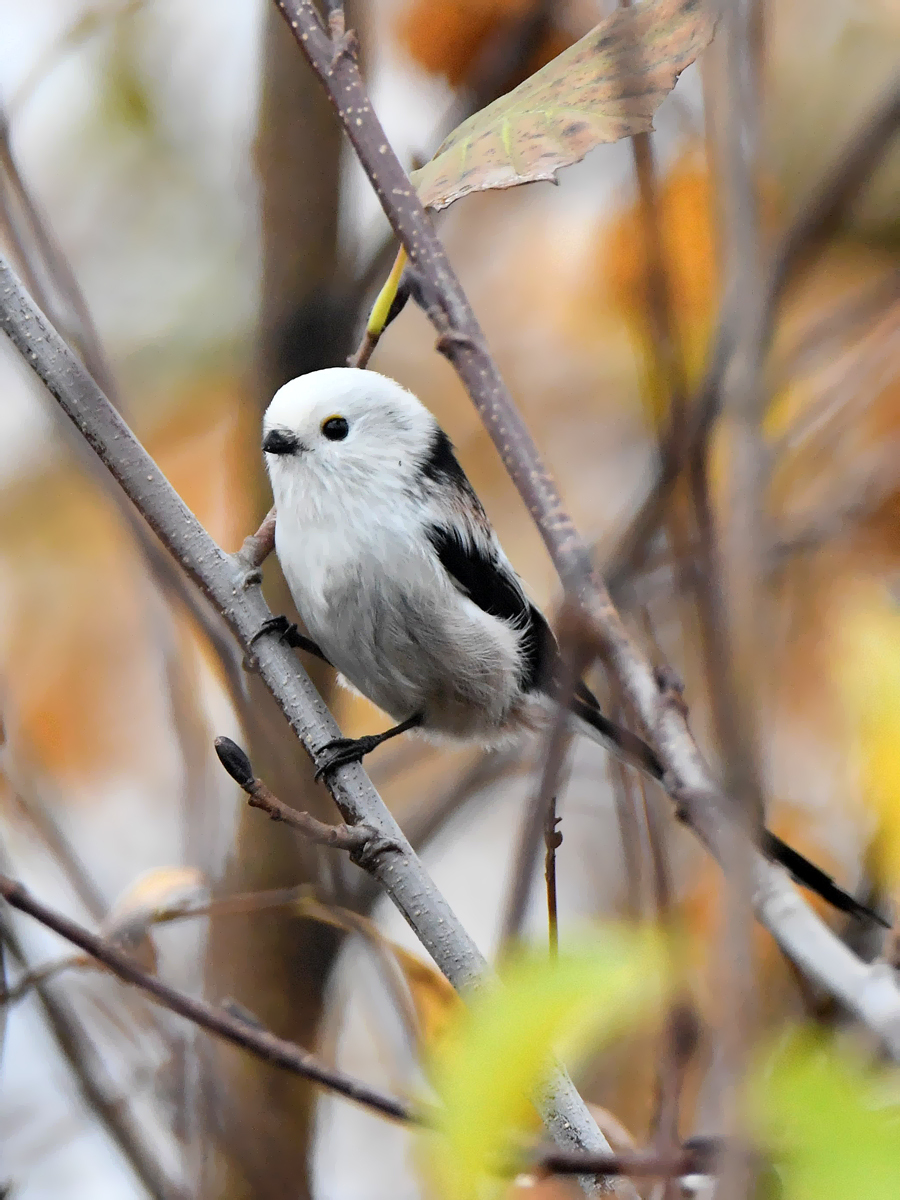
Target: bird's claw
{"x":342,"y":751}
{"x":285,"y":629}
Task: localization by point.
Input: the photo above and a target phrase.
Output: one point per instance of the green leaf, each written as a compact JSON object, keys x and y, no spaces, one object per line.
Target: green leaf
{"x":606,"y":86}
{"x":834,"y":1136}
{"x":498,"y":1052}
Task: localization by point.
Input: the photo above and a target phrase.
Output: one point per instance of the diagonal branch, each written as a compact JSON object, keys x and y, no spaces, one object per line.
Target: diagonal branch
{"x":236,"y":594}
{"x":265,"y":1045}
{"x":873,"y":996}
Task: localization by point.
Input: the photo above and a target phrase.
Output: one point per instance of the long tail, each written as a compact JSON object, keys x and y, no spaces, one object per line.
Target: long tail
{"x":634,"y":750}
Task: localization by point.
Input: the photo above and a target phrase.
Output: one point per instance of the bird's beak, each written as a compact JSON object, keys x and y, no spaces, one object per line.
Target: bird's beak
{"x":281,"y":441}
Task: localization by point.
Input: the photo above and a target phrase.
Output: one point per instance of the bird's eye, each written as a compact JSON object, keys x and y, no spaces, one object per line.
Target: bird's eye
{"x":335,"y":429}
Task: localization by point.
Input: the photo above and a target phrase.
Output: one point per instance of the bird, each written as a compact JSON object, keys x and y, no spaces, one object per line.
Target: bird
{"x":404,"y":588}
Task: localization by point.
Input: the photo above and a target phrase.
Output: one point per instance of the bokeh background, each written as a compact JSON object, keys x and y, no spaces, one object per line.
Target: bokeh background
{"x":175,"y":190}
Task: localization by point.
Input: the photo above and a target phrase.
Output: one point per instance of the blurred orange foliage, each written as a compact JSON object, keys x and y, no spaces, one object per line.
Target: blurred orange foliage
{"x":81,"y":674}
{"x":445,"y":37}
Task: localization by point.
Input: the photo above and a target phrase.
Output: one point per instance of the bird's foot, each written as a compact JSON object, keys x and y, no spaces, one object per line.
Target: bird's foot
{"x":280,"y":625}
{"x":289,"y":634}
{"x":342,"y":751}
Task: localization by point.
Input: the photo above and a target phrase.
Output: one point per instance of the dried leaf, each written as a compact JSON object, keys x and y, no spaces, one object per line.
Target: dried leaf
{"x":433,"y":996}
{"x":154,"y":897}
{"x":605,"y":87}
{"x":434,"y":999}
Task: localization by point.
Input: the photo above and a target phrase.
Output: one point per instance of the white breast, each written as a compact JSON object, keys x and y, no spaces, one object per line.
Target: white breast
{"x":372,"y":593}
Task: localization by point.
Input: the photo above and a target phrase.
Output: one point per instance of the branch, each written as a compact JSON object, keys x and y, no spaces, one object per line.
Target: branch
{"x":272,"y":1049}
{"x":258,"y":546}
{"x":101,"y":1095}
{"x":796,"y":928}
{"x":700,"y":1156}
{"x":237,"y":596}
{"x":361,"y":841}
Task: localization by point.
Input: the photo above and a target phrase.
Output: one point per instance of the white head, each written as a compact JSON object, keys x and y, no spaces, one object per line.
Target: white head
{"x":344,"y":429}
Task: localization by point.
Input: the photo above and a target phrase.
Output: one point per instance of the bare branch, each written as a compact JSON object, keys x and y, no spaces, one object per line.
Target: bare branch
{"x":224,"y":580}
{"x":258,"y":546}
{"x":360,"y":840}
{"x":552,"y":841}
{"x":263,"y":1044}
{"x":575,"y":653}
{"x":698,"y":1157}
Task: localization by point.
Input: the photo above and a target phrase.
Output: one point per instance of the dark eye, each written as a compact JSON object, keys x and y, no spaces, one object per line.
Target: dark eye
{"x":335,"y":429}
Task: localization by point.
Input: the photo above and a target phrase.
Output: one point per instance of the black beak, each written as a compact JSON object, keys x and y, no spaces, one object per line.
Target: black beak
{"x":281,"y":441}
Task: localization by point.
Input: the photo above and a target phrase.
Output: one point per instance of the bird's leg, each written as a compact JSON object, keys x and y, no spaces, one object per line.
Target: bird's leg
{"x":349,"y":750}
{"x":289,"y":634}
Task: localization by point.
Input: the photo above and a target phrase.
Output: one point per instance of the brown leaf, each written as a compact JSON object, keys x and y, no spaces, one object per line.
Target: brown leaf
{"x":434,"y":999}
{"x":605,"y":87}
{"x":154,"y":897}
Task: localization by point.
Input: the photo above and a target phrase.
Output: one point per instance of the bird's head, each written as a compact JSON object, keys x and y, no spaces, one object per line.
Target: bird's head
{"x":344,"y":428}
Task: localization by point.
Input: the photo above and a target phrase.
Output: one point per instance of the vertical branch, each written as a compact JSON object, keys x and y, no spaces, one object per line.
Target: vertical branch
{"x":534,"y":827}
{"x":631,"y":832}
{"x":575,"y":657}
{"x":304,"y":323}
{"x":728,"y":583}
{"x":552,"y":842}
{"x":743,"y":402}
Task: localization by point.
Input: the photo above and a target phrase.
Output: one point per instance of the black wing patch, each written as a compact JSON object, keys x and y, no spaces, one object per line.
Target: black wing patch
{"x":486,"y":584}
{"x":442,"y":464}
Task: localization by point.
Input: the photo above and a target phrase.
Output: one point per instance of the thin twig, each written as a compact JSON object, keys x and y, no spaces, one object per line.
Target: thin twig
{"x":56,"y":842}
{"x":552,"y":842}
{"x":272,"y":1049}
{"x":359,"y":840}
{"x":258,"y":546}
{"x":699,"y":1157}
{"x":631,"y":832}
{"x":681,"y":1036}
{"x":32,"y":978}
{"x":575,"y":659}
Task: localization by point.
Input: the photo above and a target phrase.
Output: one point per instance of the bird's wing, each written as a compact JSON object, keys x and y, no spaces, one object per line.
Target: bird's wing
{"x":483,"y":575}
{"x":468,"y":550}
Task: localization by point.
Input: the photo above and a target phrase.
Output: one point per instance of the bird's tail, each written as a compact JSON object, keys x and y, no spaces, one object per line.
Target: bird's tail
{"x":619,"y":741}
{"x":634,"y":750}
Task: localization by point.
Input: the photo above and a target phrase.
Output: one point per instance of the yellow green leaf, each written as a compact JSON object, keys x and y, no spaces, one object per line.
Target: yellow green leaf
{"x":605,"y":87}
{"x":498,"y":1051}
{"x":834,"y":1131}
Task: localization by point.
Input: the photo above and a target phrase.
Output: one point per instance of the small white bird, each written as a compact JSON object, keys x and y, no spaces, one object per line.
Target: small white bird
{"x":399,"y":578}
{"x":398,"y":574}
